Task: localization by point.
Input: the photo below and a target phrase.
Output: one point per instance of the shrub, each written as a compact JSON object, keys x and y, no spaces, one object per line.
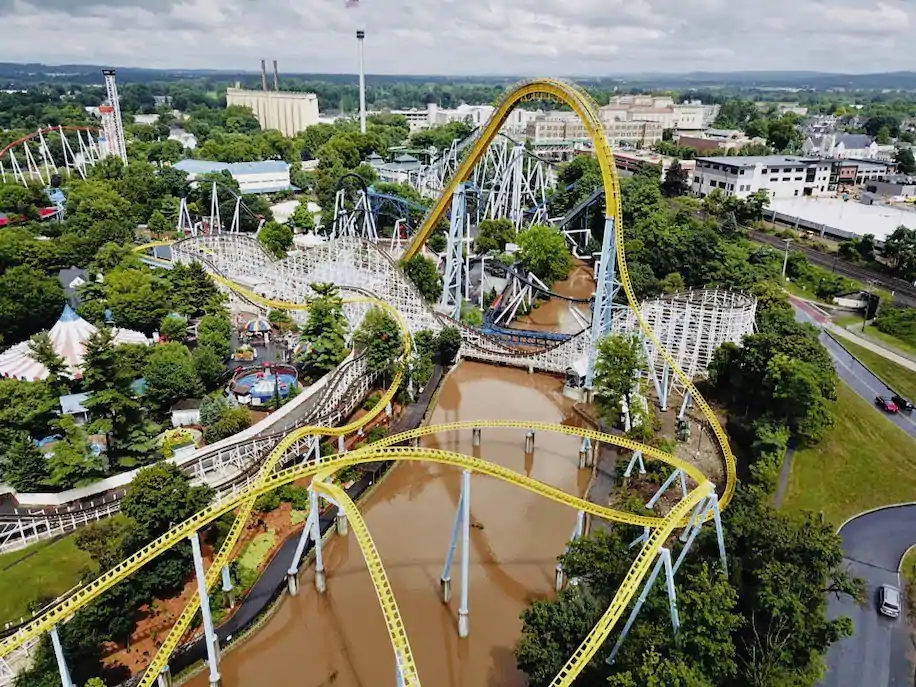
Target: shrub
{"x":371,"y":401}
{"x":268,"y":502}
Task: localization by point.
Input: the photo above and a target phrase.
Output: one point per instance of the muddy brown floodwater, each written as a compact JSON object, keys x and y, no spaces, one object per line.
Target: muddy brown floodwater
{"x":554,"y":315}
{"x":340,"y":638}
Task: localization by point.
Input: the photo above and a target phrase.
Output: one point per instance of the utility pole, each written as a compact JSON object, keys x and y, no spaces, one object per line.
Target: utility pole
{"x":870,"y":286}
{"x":360,"y":37}
{"x":785,"y":260}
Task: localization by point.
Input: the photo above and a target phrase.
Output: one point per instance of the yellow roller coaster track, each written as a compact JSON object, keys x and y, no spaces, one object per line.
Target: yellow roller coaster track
{"x":268,"y":480}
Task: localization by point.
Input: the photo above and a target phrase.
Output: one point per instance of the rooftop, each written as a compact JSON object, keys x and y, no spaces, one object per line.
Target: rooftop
{"x":849,"y":217}
{"x":754,"y":160}
{"x":208,"y":166}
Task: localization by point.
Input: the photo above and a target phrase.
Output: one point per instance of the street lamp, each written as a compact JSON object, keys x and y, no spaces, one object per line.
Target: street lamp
{"x":785,"y":260}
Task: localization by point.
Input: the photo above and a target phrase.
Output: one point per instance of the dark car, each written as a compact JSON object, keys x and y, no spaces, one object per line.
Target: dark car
{"x":886,"y":404}
{"x":902,"y":403}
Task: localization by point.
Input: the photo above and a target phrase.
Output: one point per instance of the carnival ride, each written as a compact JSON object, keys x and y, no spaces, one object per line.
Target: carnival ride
{"x":701,"y":501}
{"x":39,"y":156}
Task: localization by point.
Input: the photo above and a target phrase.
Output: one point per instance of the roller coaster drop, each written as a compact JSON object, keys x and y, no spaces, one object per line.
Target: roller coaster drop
{"x":700,"y":503}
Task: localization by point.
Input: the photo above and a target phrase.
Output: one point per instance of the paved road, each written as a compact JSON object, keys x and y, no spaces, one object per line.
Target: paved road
{"x":851,"y":371}
{"x":876,"y":654}
{"x":874,"y":543}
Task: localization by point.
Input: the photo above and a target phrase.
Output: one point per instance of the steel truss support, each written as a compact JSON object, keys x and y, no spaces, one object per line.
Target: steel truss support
{"x":215,"y":224}
{"x":675,"y":474}
{"x":462,"y":526}
{"x":314,"y":512}
{"x":211,"y":639}
{"x":607,"y":288}
{"x":452,"y":293}
{"x":185,"y":225}
{"x":664,"y":560}
{"x":578,"y":532}
{"x":358,"y":222}
{"x":62,"y":668}
{"x":636,"y":459}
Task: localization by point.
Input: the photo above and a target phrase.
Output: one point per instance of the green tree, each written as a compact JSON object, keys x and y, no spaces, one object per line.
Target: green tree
{"x":71,"y":462}
{"x":115,"y":411}
{"x":191,"y":289}
{"x":302,"y":218}
{"x":160,"y":497}
{"x":158,"y":225}
{"x":277,"y":238}
{"x":29,"y":302}
{"x":672,"y":283}
{"x":174,"y":328}
{"x":42,"y":350}
{"x":325,"y":333}
{"x":782,"y":133}
{"x":215,"y":331}
{"x":209,"y":366}
{"x":906,"y":163}
{"x":231,"y":421}
{"x":170,"y":375}
{"x":551,"y":633}
{"x":677,"y":181}
{"x":379,"y":337}
{"x":543,"y":251}
{"x":494,"y":234}
{"x":424,"y":275}
{"x":22,"y":202}
{"x":23,"y":466}
{"x":212,"y":408}
{"x":619,"y":358}
{"x":900,"y":250}
{"x":448,"y":343}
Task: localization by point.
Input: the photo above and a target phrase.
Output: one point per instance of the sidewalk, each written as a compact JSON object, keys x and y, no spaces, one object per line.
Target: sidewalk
{"x":871,"y":346}
{"x":823,"y":317}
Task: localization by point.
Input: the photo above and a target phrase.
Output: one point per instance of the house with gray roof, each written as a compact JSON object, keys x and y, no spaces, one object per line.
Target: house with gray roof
{"x":836,"y":145}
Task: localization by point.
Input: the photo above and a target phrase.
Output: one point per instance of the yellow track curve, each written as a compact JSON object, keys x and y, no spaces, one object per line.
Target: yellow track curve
{"x":266,"y":481}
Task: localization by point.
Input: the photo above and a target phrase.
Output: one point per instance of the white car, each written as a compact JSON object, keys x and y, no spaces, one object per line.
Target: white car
{"x":889,"y":601}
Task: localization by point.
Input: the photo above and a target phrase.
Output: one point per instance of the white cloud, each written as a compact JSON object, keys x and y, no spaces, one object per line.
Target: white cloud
{"x":519,"y":37}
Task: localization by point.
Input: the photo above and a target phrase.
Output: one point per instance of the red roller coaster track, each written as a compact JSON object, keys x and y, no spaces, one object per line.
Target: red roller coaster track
{"x":47,"y":130}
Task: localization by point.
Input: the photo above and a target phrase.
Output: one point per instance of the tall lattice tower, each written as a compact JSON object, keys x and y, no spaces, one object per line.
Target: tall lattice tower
{"x":111,"y":118}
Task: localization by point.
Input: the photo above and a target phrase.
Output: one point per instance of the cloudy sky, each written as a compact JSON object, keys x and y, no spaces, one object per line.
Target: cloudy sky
{"x":523,"y":37}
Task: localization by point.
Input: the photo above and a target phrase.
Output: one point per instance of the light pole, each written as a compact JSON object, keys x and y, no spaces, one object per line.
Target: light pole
{"x":871,"y":284}
{"x":785,"y":260}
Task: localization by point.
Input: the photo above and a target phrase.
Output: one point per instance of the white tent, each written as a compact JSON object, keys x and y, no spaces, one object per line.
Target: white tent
{"x":68,"y":336}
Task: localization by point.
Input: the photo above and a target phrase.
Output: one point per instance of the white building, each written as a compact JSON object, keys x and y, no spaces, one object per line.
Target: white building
{"x":566,"y":126}
{"x":687,"y":116}
{"x":185,"y":138}
{"x":782,"y":176}
{"x":268,"y":176}
{"x":475,"y":115}
{"x":288,"y":112}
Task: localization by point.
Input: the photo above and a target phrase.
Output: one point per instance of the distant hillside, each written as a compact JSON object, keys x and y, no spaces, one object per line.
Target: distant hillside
{"x":17,"y":75}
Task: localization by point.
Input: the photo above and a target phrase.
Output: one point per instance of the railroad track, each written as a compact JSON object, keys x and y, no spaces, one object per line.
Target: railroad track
{"x":904,"y":292}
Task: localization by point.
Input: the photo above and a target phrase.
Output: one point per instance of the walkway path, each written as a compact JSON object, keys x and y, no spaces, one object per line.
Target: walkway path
{"x":822,"y":318}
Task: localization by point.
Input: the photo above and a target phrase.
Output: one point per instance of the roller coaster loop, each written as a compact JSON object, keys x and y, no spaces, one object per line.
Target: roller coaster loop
{"x":323,"y":466}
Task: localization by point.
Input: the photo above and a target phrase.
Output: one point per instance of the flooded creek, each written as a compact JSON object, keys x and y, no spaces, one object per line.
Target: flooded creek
{"x":554,"y":315}
{"x":340,"y":638}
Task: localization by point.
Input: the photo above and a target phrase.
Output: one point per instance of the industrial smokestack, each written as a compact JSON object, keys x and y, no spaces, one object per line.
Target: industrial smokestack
{"x":276,"y":77}
{"x":264,"y":74}
{"x":360,"y":36}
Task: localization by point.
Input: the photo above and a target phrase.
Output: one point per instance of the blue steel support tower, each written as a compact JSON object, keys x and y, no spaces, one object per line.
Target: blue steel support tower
{"x":607,"y":288}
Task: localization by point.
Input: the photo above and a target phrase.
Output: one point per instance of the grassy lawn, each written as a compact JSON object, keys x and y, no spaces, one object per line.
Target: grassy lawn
{"x":43,"y":571}
{"x":890,"y":341}
{"x":898,"y":377}
{"x":257,"y":549}
{"x":865,"y":461}
{"x":798,"y":290}
{"x":846,"y":320}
